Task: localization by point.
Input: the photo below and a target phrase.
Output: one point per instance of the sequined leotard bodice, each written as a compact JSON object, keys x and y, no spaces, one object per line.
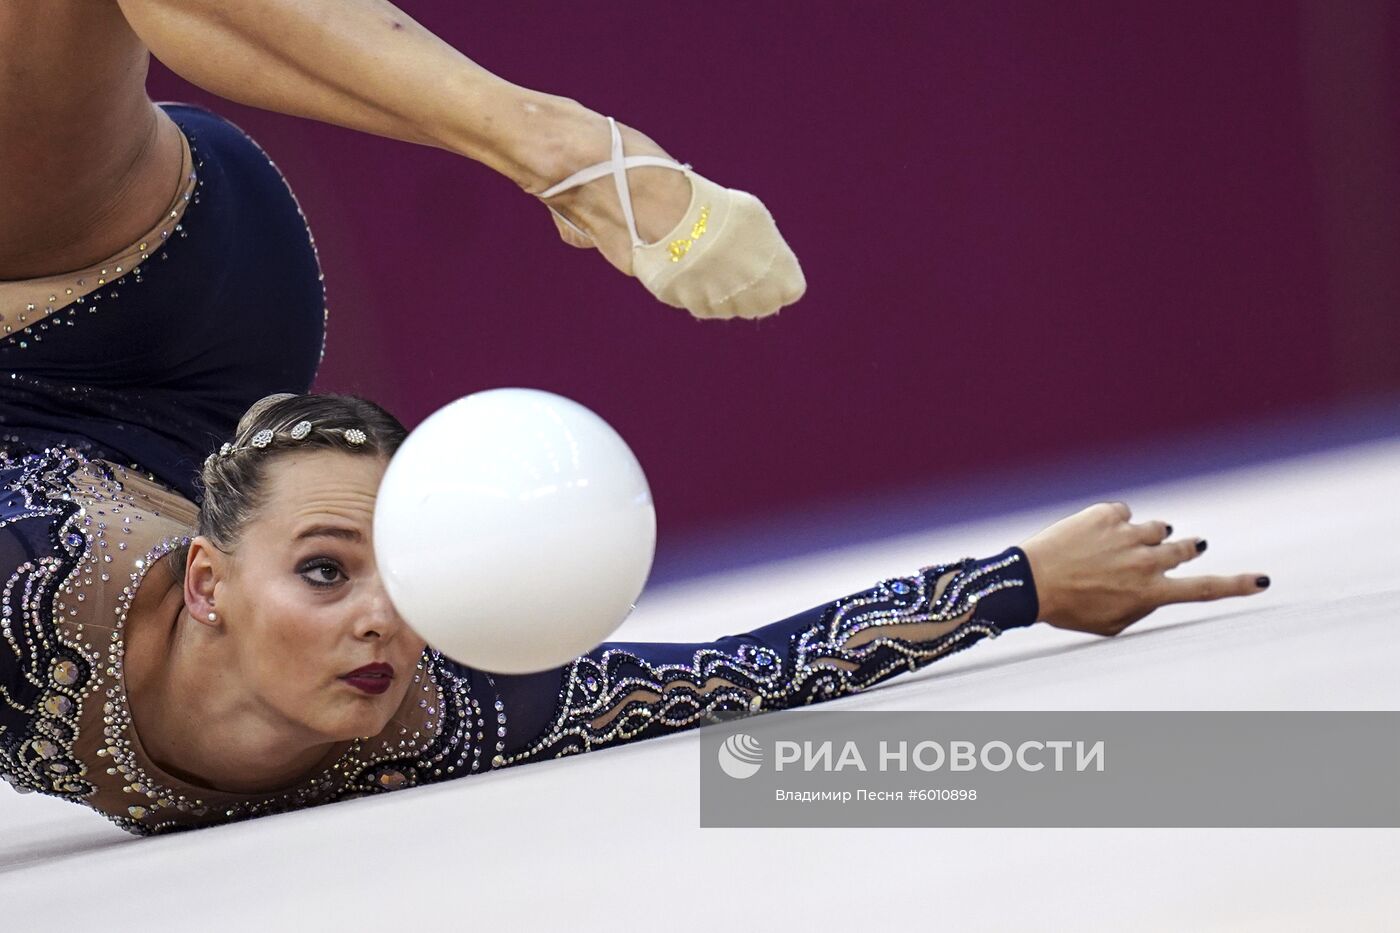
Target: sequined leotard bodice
{"x":82,"y":530}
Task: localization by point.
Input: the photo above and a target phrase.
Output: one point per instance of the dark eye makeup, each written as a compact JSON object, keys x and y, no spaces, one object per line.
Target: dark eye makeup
{"x":321,"y":572}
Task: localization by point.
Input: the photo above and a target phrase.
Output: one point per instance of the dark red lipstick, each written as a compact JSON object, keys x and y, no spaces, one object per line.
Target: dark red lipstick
{"x":372,"y":678}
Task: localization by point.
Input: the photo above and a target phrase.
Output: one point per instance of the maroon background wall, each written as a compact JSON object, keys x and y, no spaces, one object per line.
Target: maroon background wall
{"x":1029,"y":229}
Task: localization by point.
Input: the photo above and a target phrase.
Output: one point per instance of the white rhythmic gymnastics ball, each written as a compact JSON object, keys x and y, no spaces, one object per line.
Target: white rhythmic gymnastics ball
{"x":514,"y":530}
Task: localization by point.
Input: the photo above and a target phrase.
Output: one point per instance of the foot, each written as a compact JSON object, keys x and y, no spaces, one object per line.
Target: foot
{"x":660,"y":196}
{"x":730,"y":261}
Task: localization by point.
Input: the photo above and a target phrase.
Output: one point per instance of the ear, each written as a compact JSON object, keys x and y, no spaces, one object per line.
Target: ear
{"x":205,"y":566}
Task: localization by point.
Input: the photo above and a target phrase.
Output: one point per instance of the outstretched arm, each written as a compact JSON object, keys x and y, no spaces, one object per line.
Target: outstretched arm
{"x":623,"y":691}
{"x":1093,"y":572}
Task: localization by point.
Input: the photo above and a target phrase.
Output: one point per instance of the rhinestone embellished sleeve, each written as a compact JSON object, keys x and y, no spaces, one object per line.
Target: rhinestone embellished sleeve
{"x":622,"y":692}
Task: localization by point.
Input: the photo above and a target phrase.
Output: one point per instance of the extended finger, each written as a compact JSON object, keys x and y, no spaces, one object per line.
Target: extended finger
{"x":1151,"y":532}
{"x":1206,"y":588}
{"x":1171,"y":554}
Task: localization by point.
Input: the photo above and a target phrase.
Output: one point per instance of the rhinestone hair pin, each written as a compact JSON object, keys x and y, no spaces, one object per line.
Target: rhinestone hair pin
{"x":299,"y":432}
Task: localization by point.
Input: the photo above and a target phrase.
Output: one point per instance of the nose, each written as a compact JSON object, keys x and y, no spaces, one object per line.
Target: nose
{"x":380,"y":619}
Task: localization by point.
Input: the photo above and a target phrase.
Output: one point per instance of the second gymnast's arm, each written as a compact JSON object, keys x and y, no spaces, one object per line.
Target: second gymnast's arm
{"x":365,"y":65}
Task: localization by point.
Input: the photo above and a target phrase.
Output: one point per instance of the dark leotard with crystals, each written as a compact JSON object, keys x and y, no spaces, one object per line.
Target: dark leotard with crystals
{"x":158,"y":365}
{"x":96,"y":476}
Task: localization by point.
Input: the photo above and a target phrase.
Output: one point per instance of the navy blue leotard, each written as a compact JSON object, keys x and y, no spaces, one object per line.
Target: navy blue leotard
{"x":157,"y":367}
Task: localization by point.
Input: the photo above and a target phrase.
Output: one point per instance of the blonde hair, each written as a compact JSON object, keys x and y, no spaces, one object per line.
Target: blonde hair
{"x":233,"y":483}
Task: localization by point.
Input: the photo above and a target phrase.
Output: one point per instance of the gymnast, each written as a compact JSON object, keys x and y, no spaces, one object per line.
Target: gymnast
{"x":175,"y":665}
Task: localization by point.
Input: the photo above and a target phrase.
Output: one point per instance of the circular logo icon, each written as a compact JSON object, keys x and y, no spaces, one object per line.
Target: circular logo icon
{"x":741,"y":755}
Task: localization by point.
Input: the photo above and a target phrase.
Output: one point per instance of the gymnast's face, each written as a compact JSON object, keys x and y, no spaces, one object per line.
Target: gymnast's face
{"x":303,"y":603}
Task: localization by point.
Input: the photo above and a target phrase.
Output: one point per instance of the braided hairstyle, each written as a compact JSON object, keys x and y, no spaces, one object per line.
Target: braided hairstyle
{"x":233,"y":479}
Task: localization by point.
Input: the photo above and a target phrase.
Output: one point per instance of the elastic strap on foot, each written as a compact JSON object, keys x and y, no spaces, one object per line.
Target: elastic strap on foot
{"x":617,"y":166}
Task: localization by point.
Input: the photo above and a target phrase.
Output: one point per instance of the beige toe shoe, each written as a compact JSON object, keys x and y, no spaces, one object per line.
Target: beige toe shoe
{"x":724,"y":259}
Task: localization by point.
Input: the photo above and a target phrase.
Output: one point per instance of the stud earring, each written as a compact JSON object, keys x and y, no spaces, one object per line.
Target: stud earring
{"x":213,"y":617}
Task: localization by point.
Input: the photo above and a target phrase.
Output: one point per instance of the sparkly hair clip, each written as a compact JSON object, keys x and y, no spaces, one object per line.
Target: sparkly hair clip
{"x":299,"y":432}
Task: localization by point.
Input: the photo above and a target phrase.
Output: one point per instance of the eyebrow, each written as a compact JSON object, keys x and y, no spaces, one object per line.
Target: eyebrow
{"x":331,"y":531}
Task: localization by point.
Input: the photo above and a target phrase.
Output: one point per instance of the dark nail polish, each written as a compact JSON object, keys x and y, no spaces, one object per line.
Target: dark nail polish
{"x":1169,"y":531}
{"x":1261,"y":582}
{"x":1200,"y":545}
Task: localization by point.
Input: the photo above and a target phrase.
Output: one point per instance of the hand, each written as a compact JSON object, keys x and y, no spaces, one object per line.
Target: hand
{"x":1096,"y":572}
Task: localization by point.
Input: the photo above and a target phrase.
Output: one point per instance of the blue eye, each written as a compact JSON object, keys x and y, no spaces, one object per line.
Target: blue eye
{"x":321,"y":573}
